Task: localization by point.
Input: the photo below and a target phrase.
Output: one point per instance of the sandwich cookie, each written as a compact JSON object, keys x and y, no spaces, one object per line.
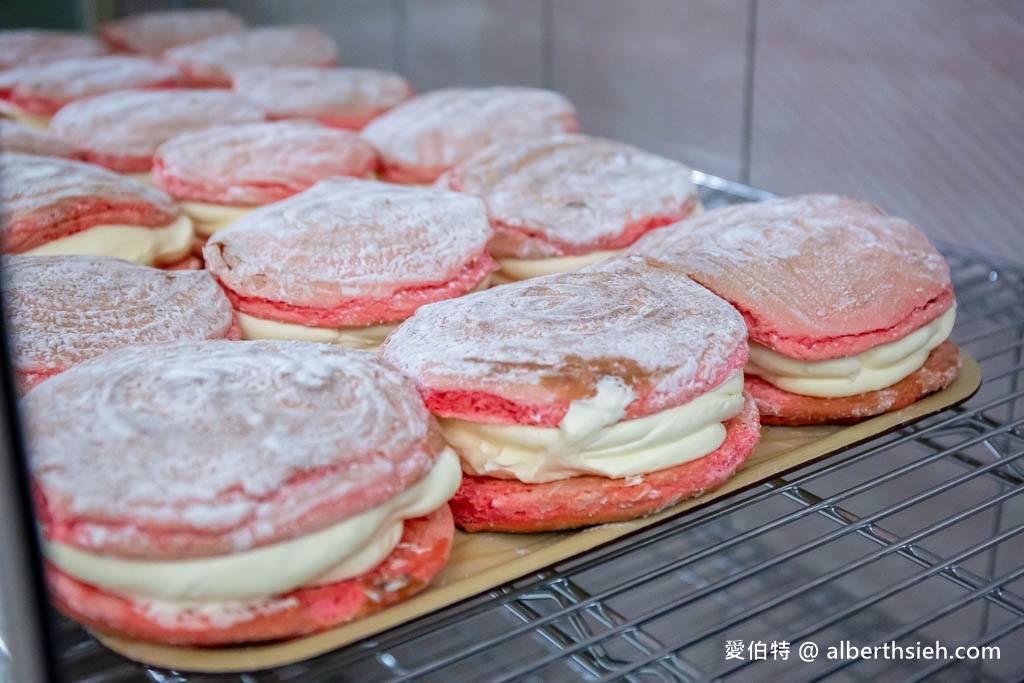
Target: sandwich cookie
{"x":122,"y":130}
{"x":33,"y":93}
{"x":849,"y":309}
{"x":219,"y":174}
{"x":63,"y":310}
{"x":208,"y":493}
{"x":51,"y":206}
{"x":19,"y":47}
{"x":15,"y":137}
{"x":339,"y":98}
{"x":212,"y":62}
{"x":424,"y":137}
{"x":560,"y":202}
{"x":347,"y":260}
{"x":600,"y":395}
{"x":152,"y":33}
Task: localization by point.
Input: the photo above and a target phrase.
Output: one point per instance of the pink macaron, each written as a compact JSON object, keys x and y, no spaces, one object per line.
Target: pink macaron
{"x":153,"y":33}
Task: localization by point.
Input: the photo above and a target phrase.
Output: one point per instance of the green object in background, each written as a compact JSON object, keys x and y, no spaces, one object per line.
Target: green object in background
{"x":62,"y":14}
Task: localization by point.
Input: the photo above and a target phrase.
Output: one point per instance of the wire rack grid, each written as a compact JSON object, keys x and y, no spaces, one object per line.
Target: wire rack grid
{"x":914,"y":538}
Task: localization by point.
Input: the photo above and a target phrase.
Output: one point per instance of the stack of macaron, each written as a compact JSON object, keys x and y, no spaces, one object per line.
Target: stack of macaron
{"x":849,"y":309}
{"x":347,"y":260}
{"x":53,"y":206}
{"x":212,"y":466}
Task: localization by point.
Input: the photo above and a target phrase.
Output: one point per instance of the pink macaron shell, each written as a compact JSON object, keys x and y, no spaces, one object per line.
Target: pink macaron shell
{"x":258,"y":163}
{"x":152,"y":33}
{"x":43,"y":89}
{"x":422,"y":138}
{"x":19,"y":47}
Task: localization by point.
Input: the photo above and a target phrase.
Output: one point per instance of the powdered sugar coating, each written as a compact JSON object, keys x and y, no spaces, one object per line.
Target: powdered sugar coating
{"x":214,"y":60}
{"x":32,"y":46}
{"x":67,"y":309}
{"x":571,"y":194}
{"x":334,"y":94}
{"x":817,"y":276}
{"x":132,"y":124}
{"x":441,"y":128}
{"x":151,"y":33}
{"x":550,"y":340}
{"x":15,"y":137}
{"x":43,"y":198}
{"x":45,"y":88}
{"x":191,"y":449}
{"x":346,"y":239}
{"x":258,"y":163}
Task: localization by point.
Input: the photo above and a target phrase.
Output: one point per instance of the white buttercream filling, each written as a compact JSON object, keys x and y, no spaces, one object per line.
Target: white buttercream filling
{"x":133,"y":243}
{"x":874,"y":369}
{"x":339,"y":552}
{"x":369,"y":337}
{"x":211,"y":218}
{"x":592,"y":439}
{"x":512,"y":269}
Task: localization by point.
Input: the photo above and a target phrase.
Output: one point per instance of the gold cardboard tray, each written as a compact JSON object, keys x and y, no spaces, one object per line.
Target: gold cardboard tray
{"x":482,"y":561}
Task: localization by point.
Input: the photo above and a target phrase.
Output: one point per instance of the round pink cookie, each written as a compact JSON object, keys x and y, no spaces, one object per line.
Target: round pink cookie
{"x":340,"y":98}
{"x":64,"y":310}
{"x":46,"y":198}
{"x":197,"y":449}
{"x":352,"y":253}
{"x":816,"y":276}
{"x":258,"y":163}
{"x":151,"y":33}
{"x":122,"y":130}
{"x":522,"y":353}
{"x":212,"y":62}
{"x":42,"y":89}
{"x":572,"y":194}
{"x":19,"y":47}
{"x":424,"y":137}
{"x":15,"y":137}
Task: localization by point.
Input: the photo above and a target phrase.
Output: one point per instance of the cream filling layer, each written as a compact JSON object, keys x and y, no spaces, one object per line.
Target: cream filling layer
{"x":512,"y":269}
{"x":874,"y":369}
{"x":211,"y":218}
{"x":135,"y":243}
{"x":369,"y":337}
{"x":144,"y":177}
{"x":339,"y":552}
{"x":12,"y":111}
{"x":591,"y":439}
{"x":355,"y":337}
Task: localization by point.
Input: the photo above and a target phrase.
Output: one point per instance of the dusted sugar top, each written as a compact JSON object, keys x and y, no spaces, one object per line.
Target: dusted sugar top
{"x":42,"y":198}
{"x":551,"y":340}
{"x":29,"y":46}
{"x":15,"y":137}
{"x":201,"y":448}
{"x":151,"y":33}
{"x":66,"y":309}
{"x":817,"y":276}
{"x":45,"y":88}
{"x":346,"y":239}
{"x":134,"y":123}
{"x":444,"y":127}
{"x":570,"y":194}
{"x":214,"y":60}
{"x":258,"y":163}
{"x":295,"y":91}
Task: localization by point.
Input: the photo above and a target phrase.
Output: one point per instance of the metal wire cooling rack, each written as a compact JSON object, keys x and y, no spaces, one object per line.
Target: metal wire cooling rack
{"x":916,"y":537}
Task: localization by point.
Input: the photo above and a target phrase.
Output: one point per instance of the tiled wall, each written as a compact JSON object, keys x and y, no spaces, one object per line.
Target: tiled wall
{"x":917,"y":105}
